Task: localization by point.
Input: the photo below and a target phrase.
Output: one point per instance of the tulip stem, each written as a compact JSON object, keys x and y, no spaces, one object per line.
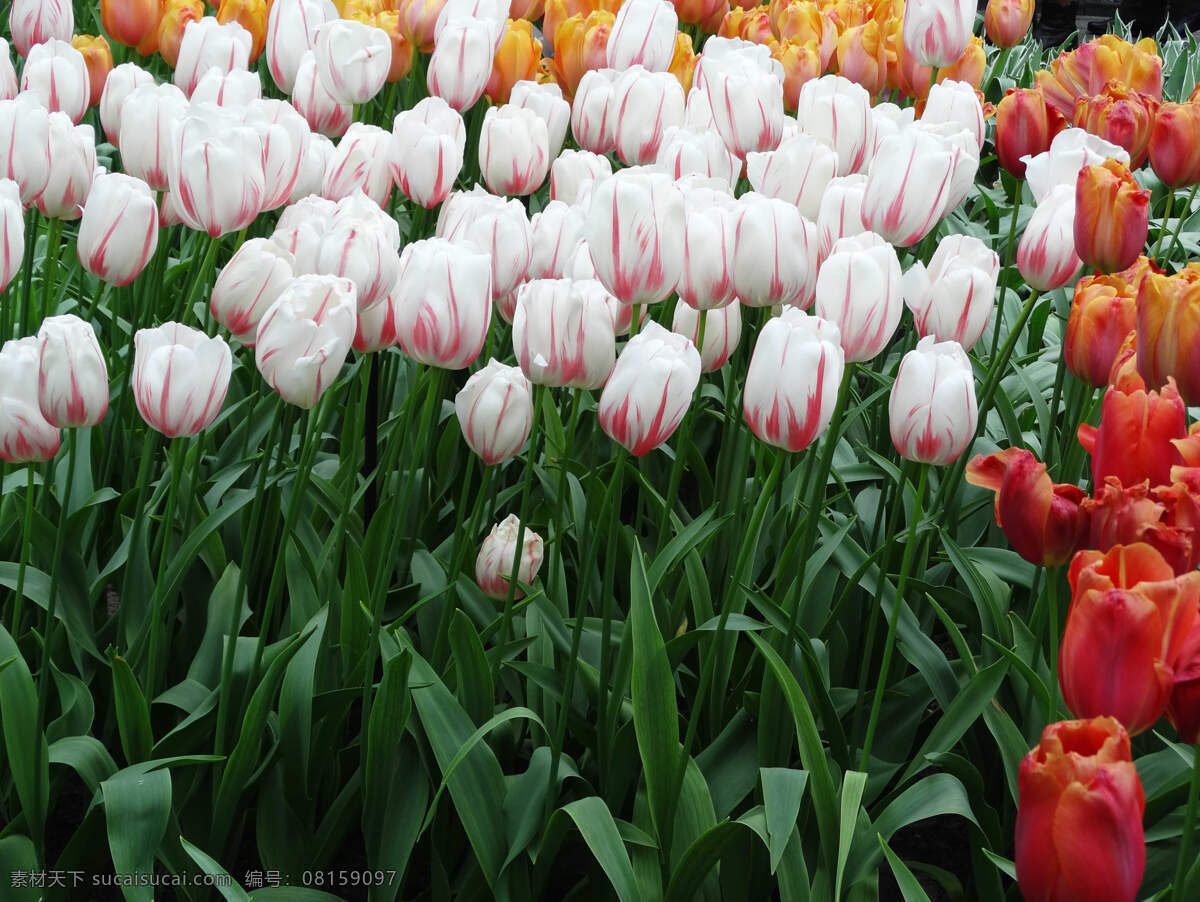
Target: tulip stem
{"x":26,"y":547}
{"x":50,"y":266}
{"x":164,"y":554}
{"x":889,"y":643}
{"x":1184,"y":861}
{"x":1166,"y":222}
{"x":201,"y":274}
{"x":450,"y":605}
{"x":1179,"y":222}
{"x":535,"y":433}
{"x":31,"y":230}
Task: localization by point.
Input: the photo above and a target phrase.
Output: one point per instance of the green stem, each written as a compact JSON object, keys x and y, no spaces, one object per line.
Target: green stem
{"x":164,"y":555}
{"x":1012,"y":256}
{"x":1185,"y":861}
{"x":450,"y":605}
{"x":50,"y":266}
{"x":1179,"y":223}
{"x":526,"y":490}
{"x":26,"y":548}
{"x":60,"y":537}
{"x":25,"y":324}
{"x":1165,"y":221}
{"x":199,"y":277}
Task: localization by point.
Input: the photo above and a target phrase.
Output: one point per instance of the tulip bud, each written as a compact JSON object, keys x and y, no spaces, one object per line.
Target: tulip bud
{"x":1173,"y":141}
{"x":1046,"y":256}
{"x":291,"y":31}
{"x":314,"y":161}
{"x":650,"y":389}
{"x":97,"y":59}
{"x":1121,"y":116}
{"x":1025,"y":126}
{"x":1134,"y":439}
{"x":711,"y":221}
{"x":286,"y":140}
{"x":1079,"y":819}
{"x":207,"y":44}
{"x":462,"y":62}
{"x":932,"y":412}
{"x":427,"y":151}
{"x":8,"y":75}
{"x":180,"y":377}
{"x":71,"y":157}
{"x":494,"y":565}
{"x":24,"y":140}
{"x":563,"y":333}
{"x":443,"y":302}
{"x":234,"y":89}
{"x":376,"y":328}
{"x":118,"y":232}
{"x":148,"y":120}
{"x":556,"y":230}
{"x":859,"y":288}
{"x":352,"y":59}
{"x":643,"y":34}
{"x":747,"y":103}
{"x":72,"y":375}
{"x":495,"y":226}
{"x":25,"y":436}
{"x":253,"y":279}
{"x":35,"y":22}
{"x":1007,"y":21}
{"x":798,"y":172}
{"x":792,"y":383}
{"x":1111,"y":217}
{"x":252,"y":16}
{"x":1103,"y":311}
{"x":516,"y":60}
{"x":908,"y":186}
{"x":547,"y":101}
{"x":302,"y":225}
{"x":495,"y":411}
{"x":323,"y":113}
{"x":688,"y":151}
{"x":593,"y":112}
{"x":513,"y":150}
{"x":12,"y":231}
{"x":955,"y":102}
{"x":216,"y":173}
{"x":774,"y":253}
{"x":722,"y":332}
{"x":1183,"y":708}
{"x":936,"y":32}
{"x":304,"y":337}
{"x":952,"y":298}
{"x":121,"y":82}
{"x":56,"y":73}
{"x":361,"y":245}
{"x":840,"y":215}
{"x":572,"y":169}
{"x":176,"y":16}
{"x":360,"y":163}
{"x":1167,"y":316}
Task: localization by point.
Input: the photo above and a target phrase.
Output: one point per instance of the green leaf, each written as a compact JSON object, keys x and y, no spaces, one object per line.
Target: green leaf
{"x":137,"y":807}
{"x":700,"y":858}
{"x":133,"y":714}
{"x":17,"y":854}
{"x":476,"y":691}
{"x":296,"y":697}
{"x":24,"y":742}
{"x":599,"y":830}
{"x":853,"y":784}
{"x":783,"y":791}
{"x":909,"y":887}
{"x":232,"y":890}
{"x":292,"y":894}
{"x":87,"y":756}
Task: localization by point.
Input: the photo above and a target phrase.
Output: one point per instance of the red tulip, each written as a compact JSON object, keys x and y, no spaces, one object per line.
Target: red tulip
{"x":1133,"y":442}
{"x":1183,"y":709}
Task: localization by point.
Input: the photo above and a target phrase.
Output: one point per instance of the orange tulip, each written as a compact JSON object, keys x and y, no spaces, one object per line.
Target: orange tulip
{"x":251,"y":15}
{"x":1111,"y":216}
{"x":752,"y":25}
{"x":1087,"y":69}
{"x":1168,"y":327}
{"x":1007,"y":21}
{"x":1134,"y":439}
{"x":1124,"y":376}
{"x":129,"y":22}
{"x":1129,"y":618}
{"x":695,"y":12}
{"x":1079,"y":819}
{"x":527,"y":9}
{"x":803,"y":21}
{"x":861,"y":57}
{"x":176,"y":15}
{"x":558,"y":11}
{"x":98,"y":58}
{"x":801,"y":62}
{"x":579,"y":45}
{"x":1043,"y":521}
{"x":683,"y":61}
{"x":968,"y":67}
{"x":1121,"y":116}
{"x":417,"y":21}
{"x":1103,"y":312}
{"x":516,"y":60}
{"x":1025,"y":124}
{"x":1174,"y":138}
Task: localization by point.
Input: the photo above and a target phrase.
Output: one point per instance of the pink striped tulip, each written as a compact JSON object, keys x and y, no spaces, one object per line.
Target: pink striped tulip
{"x":215,"y":171}
{"x":37,"y":21}
{"x":8,"y":75}
{"x":71,"y":155}
{"x":747,"y":104}
{"x":1046,"y":255}
{"x":462,"y":62}
{"x":494,"y":565}
{"x":314,"y":161}
{"x":936,"y":32}
{"x":495,"y":411}
{"x":232,"y":89}
{"x":24,"y":139}
{"x":12,"y":231}
{"x":837,"y":111}
{"x":353,"y":59}
{"x":860,"y":289}
{"x":72,"y":375}
{"x":955,"y":102}
{"x":952,"y":298}
{"x":563,"y":333}
{"x":692,"y":151}
{"x":497,"y":227}
{"x":722,"y":332}
{"x":376,"y":329}
{"x":840,"y":215}
{"x":360,"y":163}
{"x":362,"y":245}
{"x":556,"y":230}
{"x":645,"y":104}
{"x":291,"y":30}
{"x":798,"y":171}
{"x":25,"y":436}
{"x":514,"y":150}
{"x":206,"y":44}
{"x":253,"y":279}
{"x":908,"y":186}
{"x":320,"y":109}
{"x":932,"y":412}
{"x":180,"y":378}
{"x":444,"y":302}
{"x":118,"y":232}
{"x":148,"y":119}
{"x":55,"y":72}
{"x":643,"y":34}
{"x":593,"y":111}
{"x":547,"y":101}
{"x":286,"y":141}
{"x":774,"y":253}
{"x":121,"y":82}
{"x":426,"y":154}
{"x":709,"y":234}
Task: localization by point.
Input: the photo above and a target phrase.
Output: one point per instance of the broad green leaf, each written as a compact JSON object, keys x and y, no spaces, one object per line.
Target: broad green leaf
{"x":230,"y":891}
{"x":853,"y":784}
{"x":599,"y":831}
{"x":476,"y":690}
{"x":137,"y":807}
{"x":295,"y":699}
{"x":24,"y":742}
{"x":133,"y":714}
{"x":783,"y":791}
{"x":87,"y":756}
{"x":909,"y":887}
{"x":17,"y":855}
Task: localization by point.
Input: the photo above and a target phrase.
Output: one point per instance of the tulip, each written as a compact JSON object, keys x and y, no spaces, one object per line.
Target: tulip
{"x":215,"y":171}
{"x":1167,"y":316}
{"x":494,"y":566}
{"x":180,"y":377}
{"x":574,"y":168}
{"x":1087,"y":69}
{"x":323,"y":113}
{"x":360,"y":163}
{"x":24,"y":142}
{"x":593,"y":113}
{"x":1134,"y":439}
{"x":35,"y":22}
{"x":860,"y":289}
{"x":286,"y":142}
{"x":25,"y":436}
{"x":56,"y":73}
{"x":8,"y":75}
{"x":1111,"y":216}
{"x":461,"y":62}
{"x":563,"y":333}
{"x":957,"y":103}
{"x":118,"y":232}
{"x":798,"y":172}
{"x":516,"y":60}
{"x":1042,"y":520}
{"x":1124,"y":375}
{"x":206,"y":44}
{"x":1103,"y":311}
{"x":722,"y":332}
{"x":388,"y":21}
{"x":650,"y":389}
{"x":1007,"y":21}
{"x":840,"y":215}
{"x":304,"y":337}
{"x":1079,"y":819}
{"x":965,"y":160}
{"x":495,"y":411}
{"x":888,"y":119}
{"x":968,"y":67}
{"x":493,"y":13}
{"x":443,"y":302}
{"x":418,"y":19}
{"x":121,"y":82}
{"x":1046,"y":256}
{"x":1121,"y":116}
{"x":748,"y":23}
{"x":148,"y":120}
{"x":250,"y":283}
{"x":643,"y":34}
{"x":683,"y":61}
{"x":1163,"y":517}
{"x":310,"y":178}
{"x":580,"y":46}
{"x":176,"y":16}
{"x":792,"y":384}
{"x":1130,"y":611}
{"x":908,"y":186}
{"x":711,"y":220}
{"x":97,"y":59}
{"x":376,"y":327}
{"x":687,"y":151}
{"x":361,"y":245}
{"x":252,"y":16}
{"x":547,"y":101}
{"x":72,"y":375}
{"x":426,"y":155}
{"x":932,"y":412}
{"x":747,"y":103}
{"x":1070,"y":150}
{"x":1183,"y":708}
{"x":12,"y":231}
{"x":302,"y":225}
{"x":801,"y":64}
{"x":936,"y":32}
{"x":291,"y":30}
{"x":513,"y":150}
{"x":644,"y":105}
{"x":952,"y":298}
{"x":1173,"y":140}
{"x":1025,"y":126}
{"x":774,"y":257}
{"x":71,"y":158}
{"x":495,"y":226}
{"x":556,"y":230}
{"x":234,"y":89}
{"x":352,"y":59}
{"x":862,"y":56}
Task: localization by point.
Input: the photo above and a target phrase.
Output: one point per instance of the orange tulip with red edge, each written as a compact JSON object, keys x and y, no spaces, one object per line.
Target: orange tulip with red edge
{"x":251,"y":15}
{"x":1079,"y":817}
{"x":417,"y":21}
{"x":694,"y":12}
{"x":968,"y":67}
{"x":1124,"y":376}
{"x":175,"y":18}
{"x":752,"y":25}
{"x":801,"y":63}
{"x":1121,"y":116}
{"x":1025,"y":125}
{"x":1130,"y":615}
{"x":1103,"y":311}
{"x":1183,"y":708}
{"x":683,"y":61}
{"x":1168,"y":327}
{"x":1043,"y":521}
{"x":580,"y":44}
{"x":1087,"y":69}
{"x":1174,"y":138}
{"x":1111,"y":216}
{"x":516,"y":60}
{"x":1006,"y":22}
{"x":1134,"y":439}
{"x":1123,"y":515}
{"x":98,"y":58}
{"x":861,"y":56}
{"x":558,"y":11}
{"x":130,"y":22}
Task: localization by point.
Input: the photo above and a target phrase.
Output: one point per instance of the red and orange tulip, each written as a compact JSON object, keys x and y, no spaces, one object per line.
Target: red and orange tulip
{"x":1111,"y":216}
{"x":516,"y":60}
{"x":1121,"y":116}
{"x":1174,"y":138}
{"x":175,"y":18}
{"x":130,"y":22}
{"x":1006,"y":22}
{"x":98,"y":58}
{"x":1134,"y":440}
{"x":1087,"y":69}
{"x":1168,"y":326}
{"x":1183,"y":709}
{"x":1025,"y":125}
{"x":1103,"y":312}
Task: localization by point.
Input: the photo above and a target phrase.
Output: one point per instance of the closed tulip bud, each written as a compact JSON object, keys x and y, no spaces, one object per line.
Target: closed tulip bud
{"x":644,"y":104}
{"x":697,"y":12}
{"x":148,"y":120}
{"x":687,"y":151}
{"x":580,"y":46}
{"x":792,"y":383}
{"x":801,"y":64}
{"x":547,"y":102}
{"x":862,"y":56}
{"x":516,"y":60}
{"x":1134,"y":439}
{"x":426,"y":155}
{"x":34,"y":22}
{"x":492,"y":12}
{"x":888,"y":119}
{"x":1130,"y":611}
{"x":1121,"y":116}
{"x":207,"y":44}
{"x":1173,"y":140}
{"x":362,"y":246}
{"x":360,"y":163}
{"x":969,"y":66}
{"x":118,"y":232}
{"x":121,"y":82}
{"x":1025,"y":126}
{"x":1070,"y":150}
{"x":1079,"y":820}
{"x":860,"y":288}
{"x":1111,"y":217}
{"x":1167,"y":318}
{"x":747,"y":103}
{"x":593,"y":112}
{"x":932,"y":412}
{"x":494,"y":566}
{"x":908,"y":186}
{"x":252,"y":16}
{"x":353,"y":59}
{"x":1046,"y":256}
{"x":253,"y":279}
{"x":836,"y":111}
{"x":8,"y":75}
{"x":709,"y":237}
{"x":215,"y":171}
{"x":461,"y":62}
{"x":722,"y":332}
{"x":98,"y":59}
{"x":563,"y":333}
{"x":286,"y":139}
{"x":71,"y":156}
{"x":952,"y":298}
{"x":56,"y":73}
{"x":840,"y":215}
{"x":233,"y":89}
{"x":12,"y":231}
{"x":376,"y":328}
{"x":315,"y":159}
{"x":180,"y":377}
{"x":304,"y":337}
{"x":935,"y":32}
{"x":798,"y":172}
{"x":24,"y":139}
{"x":650,"y":389}
{"x":572,"y":169}
{"x":323,"y":113}
{"x":495,"y":411}
{"x":176,"y":16}
{"x":497,"y":227}
{"x":513,"y":150}
{"x":443,"y":302}
{"x":72,"y":375}
{"x":556,"y":230}
{"x":291,"y":30}
{"x":643,"y":34}
{"x":1183,"y":708}
{"x":25,"y":436}
{"x":956,"y":103}
{"x":774,"y":257}
{"x":1007,"y":21}
{"x":1103,"y":312}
